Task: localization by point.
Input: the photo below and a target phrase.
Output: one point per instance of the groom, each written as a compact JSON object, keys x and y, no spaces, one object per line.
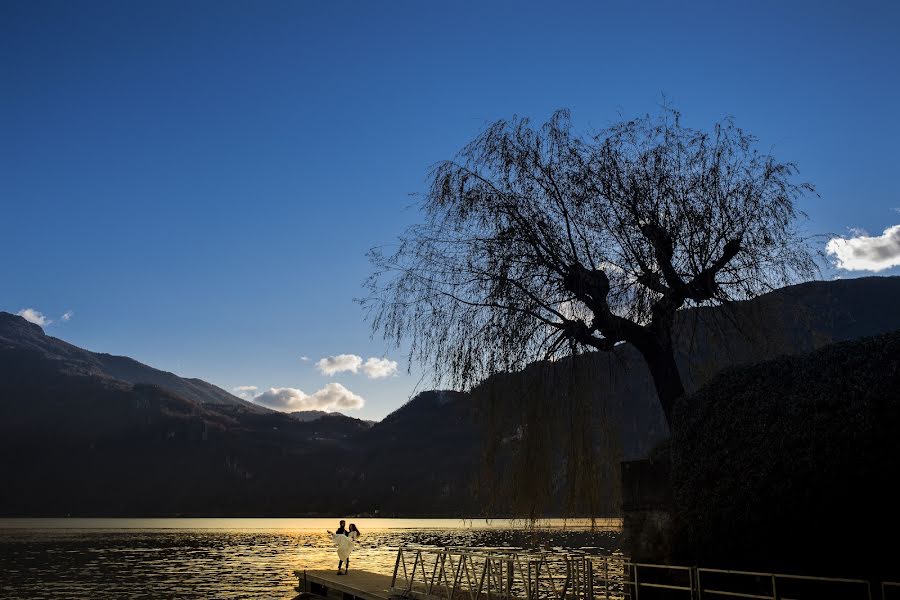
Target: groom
{"x":341,"y":531}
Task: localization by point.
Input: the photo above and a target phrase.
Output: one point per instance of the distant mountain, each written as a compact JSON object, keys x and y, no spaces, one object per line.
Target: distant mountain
{"x":306,"y":416}
{"x":18,"y":334}
{"x":93,"y":434}
{"x":418,"y":460}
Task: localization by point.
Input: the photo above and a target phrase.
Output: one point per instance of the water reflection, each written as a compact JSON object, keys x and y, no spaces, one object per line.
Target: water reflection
{"x":233,"y":558}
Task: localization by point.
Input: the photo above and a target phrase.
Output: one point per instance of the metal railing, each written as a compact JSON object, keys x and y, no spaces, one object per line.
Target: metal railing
{"x":718,"y":583}
{"x":462,"y":573}
{"x":890,"y":590}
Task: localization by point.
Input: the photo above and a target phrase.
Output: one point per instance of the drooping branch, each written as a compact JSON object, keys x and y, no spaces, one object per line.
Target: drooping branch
{"x":538,"y":243}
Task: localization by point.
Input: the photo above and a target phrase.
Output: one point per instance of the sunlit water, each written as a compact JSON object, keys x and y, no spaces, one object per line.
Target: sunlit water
{"x":235,"y":558}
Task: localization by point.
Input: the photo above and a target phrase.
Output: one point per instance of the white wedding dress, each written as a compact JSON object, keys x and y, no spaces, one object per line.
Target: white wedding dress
{"x":345,"y":544}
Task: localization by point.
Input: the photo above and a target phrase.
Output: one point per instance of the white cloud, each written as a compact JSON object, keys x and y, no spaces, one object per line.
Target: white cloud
{"x":373,"y":368}
{"x":376,"y":368}
{"x":304,"y":358}
{"x":245,"y":391}
{"x":33,"y":316}
{"x":67,"y":316}
{"x":333,"y":396}
{"x":342,"y":362}
{"x":867,"y":253}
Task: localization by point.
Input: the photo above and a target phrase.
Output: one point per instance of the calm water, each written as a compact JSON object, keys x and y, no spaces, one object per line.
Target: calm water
{"x":234,"y":558}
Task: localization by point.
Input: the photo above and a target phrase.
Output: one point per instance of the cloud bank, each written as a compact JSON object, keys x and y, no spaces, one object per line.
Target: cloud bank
{"x":373,"y":368}
{"x":866,"y":253}
{"x":333,"y":396}
{"x":33,"y":316}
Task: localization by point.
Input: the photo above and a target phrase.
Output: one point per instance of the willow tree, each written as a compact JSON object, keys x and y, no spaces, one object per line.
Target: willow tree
{"x":537,"y":243}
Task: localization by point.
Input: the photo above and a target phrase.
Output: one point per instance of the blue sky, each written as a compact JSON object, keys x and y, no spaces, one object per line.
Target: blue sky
{"x":198,"y":182}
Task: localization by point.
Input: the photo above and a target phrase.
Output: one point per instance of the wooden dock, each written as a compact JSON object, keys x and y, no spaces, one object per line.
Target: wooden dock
{"x":355,"y":585}
{"x":426,"y":573}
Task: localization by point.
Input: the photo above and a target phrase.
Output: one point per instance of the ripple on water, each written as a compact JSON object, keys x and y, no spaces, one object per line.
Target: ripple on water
{"x":239,"y":562}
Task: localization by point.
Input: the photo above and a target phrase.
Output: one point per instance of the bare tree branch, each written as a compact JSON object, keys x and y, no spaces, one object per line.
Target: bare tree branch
{"x":537,"y":243}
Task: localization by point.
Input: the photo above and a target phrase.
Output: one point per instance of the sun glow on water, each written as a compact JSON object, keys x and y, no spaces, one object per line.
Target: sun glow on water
{"x":238,"y":558}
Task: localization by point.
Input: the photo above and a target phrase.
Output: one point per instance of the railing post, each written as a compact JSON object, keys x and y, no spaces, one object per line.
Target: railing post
{"x":396,"y":566}
{"x":415,"y":567}
{"x":637,"y":586}
{"x":457,"y":573}
{"x":532,"y":581}
{"x":434,"y":572}
{"x":606,"y":576}
{"x":589,"y":573}
{"x":485,"y":574}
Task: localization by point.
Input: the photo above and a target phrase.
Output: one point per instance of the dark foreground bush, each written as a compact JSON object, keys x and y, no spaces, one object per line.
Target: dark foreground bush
{"x":792,"y":465}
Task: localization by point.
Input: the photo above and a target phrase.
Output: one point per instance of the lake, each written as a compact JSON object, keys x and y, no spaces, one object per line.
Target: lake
{"x":237,"y":558}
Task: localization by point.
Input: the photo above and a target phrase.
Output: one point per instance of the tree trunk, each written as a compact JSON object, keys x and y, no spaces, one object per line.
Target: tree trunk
{"x":666,"y":378}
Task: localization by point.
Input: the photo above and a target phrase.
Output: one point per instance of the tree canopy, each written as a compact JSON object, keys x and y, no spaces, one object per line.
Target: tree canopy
{"x":537,"y":243}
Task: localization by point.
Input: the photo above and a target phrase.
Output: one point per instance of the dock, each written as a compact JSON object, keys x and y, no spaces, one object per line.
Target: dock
{"x":354,"y":585}
{"x":457,"y":573}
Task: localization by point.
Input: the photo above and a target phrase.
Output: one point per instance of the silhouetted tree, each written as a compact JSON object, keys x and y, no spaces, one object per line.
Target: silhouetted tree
{"x":539,"y":243}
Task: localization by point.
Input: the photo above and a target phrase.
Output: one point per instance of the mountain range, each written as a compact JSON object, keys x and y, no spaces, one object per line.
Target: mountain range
{"x":83,"y":433}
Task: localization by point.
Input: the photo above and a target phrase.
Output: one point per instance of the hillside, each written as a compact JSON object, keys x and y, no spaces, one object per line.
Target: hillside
{"x":77,"y":440}
{"x":19,"y":335}
{"x":97,"y":434}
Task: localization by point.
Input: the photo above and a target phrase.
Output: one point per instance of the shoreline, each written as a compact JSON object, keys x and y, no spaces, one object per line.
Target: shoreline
{"x":415,"y":522}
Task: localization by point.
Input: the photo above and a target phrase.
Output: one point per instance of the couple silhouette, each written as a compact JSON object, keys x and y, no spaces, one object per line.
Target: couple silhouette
{"x":345,"y":540}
